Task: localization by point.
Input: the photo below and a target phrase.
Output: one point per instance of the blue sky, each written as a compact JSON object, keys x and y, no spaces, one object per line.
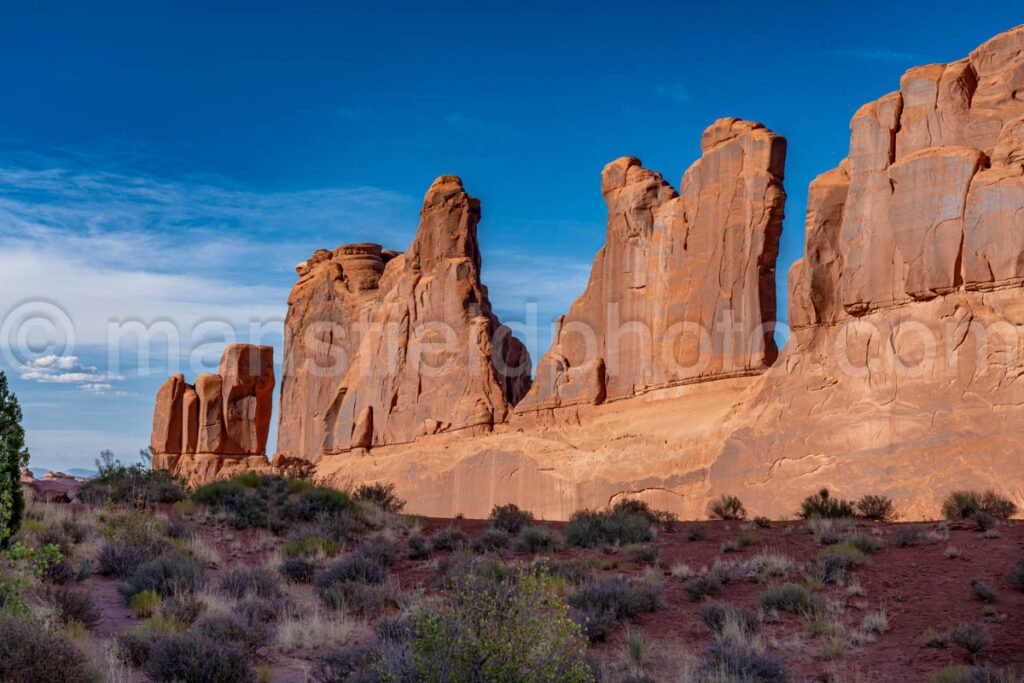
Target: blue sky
{"x":169,"y":163}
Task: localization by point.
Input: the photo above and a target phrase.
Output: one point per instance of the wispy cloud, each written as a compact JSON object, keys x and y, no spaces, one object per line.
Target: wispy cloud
{"x":673,"y":91}
{"x":877,"y":54}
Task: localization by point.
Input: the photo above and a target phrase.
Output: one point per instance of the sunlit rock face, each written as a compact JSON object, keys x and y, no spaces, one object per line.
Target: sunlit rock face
{"x":683,"y":289}
{"x":382,"y":347}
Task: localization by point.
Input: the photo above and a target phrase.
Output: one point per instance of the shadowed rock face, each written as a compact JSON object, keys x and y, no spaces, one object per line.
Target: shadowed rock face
{"x":382,"y":347}
{"x":683,"y":285}
{"x":224,"y":416}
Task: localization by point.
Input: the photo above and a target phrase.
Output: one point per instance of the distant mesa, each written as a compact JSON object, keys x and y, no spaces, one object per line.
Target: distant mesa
{"x":902,"y":375}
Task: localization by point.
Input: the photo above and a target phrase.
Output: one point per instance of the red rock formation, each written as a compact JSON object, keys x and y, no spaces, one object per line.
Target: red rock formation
{"x":684,"y":286}
{"x":221,"y":421}
{"x":904,"y":374}
{"x":382,"y":347}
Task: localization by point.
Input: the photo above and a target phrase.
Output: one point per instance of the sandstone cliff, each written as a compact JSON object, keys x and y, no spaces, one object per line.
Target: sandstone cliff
{"x":219,"y":424}
{"x":684,"y":287}
{"x":382,"y":347}
{"x":904,"y":372}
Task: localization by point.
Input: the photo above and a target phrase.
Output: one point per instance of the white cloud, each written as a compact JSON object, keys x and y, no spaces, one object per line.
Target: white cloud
{"x":63,"y":370}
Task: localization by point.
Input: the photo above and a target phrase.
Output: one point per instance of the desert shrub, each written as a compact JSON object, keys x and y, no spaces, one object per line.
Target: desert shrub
{"x":975,"y":674}
{"x":823,"y":506}
{"x":60,"y":572}
{"x":971,"y":637}
{"x":136,"y":485}
{"x":725,"y":618}
{"x":727,"y":507}
{"x":910,"y":535}
{"x":575,"y":572}
{"x":516,"y":633}
{"x":419,"y":548}
{"x":702,"y":587}
{"x":73,"y":606}
{"x":696,"y":532}
{"x":122,"y":557}
{"x":244,"y":582}
{"x":166,"y":576}
{"x":878,"y":508}
{"x":328,"y":501}
{"x":31,"y":653}
{"x":1015,"y":577}
{"x":833,"y":562}
{"x":379,"y":550}
{"x":449,"y":539}
{"x":24,"y":568}
{"x":132,"y":647}
{"x":644,"y":553}
{"x":735,"y":661}
{"x":587,"y":528}
{"x":311,"y":546}
{"x":632,"y":506}
{"x":964,"y":504}
{"x":865,"y":543}
{"x":351,"y":568}
{"x":492,"y":539}
{"x":461,"y":568}
{"x":144,"y":604}
{"x":381,"y":495}
{"x":234,"y":629}
{"x":599,"y":607}
{"x":933,"y":638}
{"x":297,"y":570}
{"x":762,"y":522}
{"x":358,"y":663}
{"x":740,"y":543}
{"x":981,"y":591}
{"x":539,"y":539}
{"x":788,"y":597}
{"x":360,"y":598}
{"x":194,"y":658}
{"x":219,"y":493}
{"x":510,"y":518}
{"x":875,"y":623}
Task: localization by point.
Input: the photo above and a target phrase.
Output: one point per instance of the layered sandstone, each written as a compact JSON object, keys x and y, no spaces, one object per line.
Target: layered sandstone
{"x":382,"y":347}
{"x":684,"y":287}
{"x":904,"y":372}
{"x":220,"y":422}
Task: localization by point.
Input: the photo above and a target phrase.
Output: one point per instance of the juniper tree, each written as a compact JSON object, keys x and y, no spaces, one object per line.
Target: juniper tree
{"x":13,"y":456}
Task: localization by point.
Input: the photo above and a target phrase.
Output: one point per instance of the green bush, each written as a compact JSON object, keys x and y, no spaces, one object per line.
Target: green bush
{"x":72,"y":606}
{"x":31,"y":653}
{"x":167,"y":576}
{"x":381,"y":495}
{"x":510,"y":518}
{"x":622,"y":526}
{"x":701,"y":587}
{"x":310,"y":546}
{"x":735,"y":661}
{"x":721,"y":617}
{"x":1015,"y":577}
{"x":492,"y":539}
{"x":727,"y":507}
{"x":144,"y":604}
{"x":644,"y":553}
{"x":963,"y":504}
{"x":823,"y":506}
{"x":878,"y":508}
{"x":516,"y":633}
{"x":194,"y":658}
{"x":245,"y":582}
{"x":297,"y":570}
{"x":449,"y":539}
{"x":118,"y":484}
{"x":234,"y":629}
{"x":788,"y":597}
{"x":539,"y":539}
{"x":13,"y":456}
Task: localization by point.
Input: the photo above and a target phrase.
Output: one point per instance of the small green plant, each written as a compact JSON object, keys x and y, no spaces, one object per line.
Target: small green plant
{"x":636,"y":653}
{"x":311,"y":546}
{"x":145,"y":604}
{"x":740,"y":543}
{"x":727,"y":507}
{"x":823,"y":506}
{"x":701,"y":587}
{"x":933,"y":638}
{"x":875,"y":623}
{"x":878,"y":508}
{"x":788,"y":597}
